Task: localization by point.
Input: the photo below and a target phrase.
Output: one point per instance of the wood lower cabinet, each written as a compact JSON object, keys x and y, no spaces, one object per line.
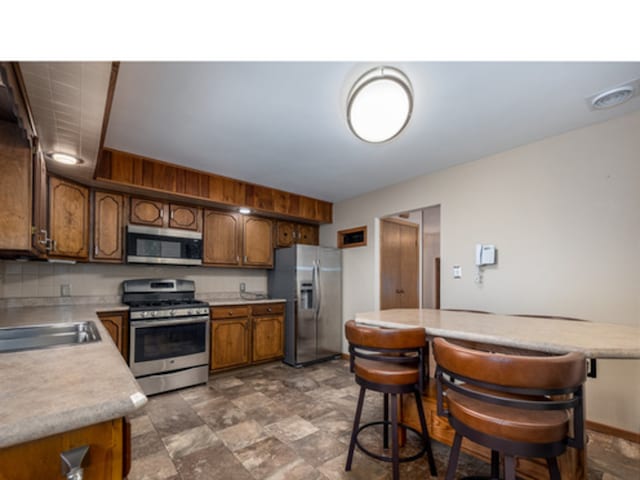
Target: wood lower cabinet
{"x":108,"y":221}
{"x":246,"y":334}
{"x":68,"y":219}
{"x":230,"y":337}
{"x":156,"y":213}
{"x":267,"y":332}
{"x":117,"y":324}
{"x":291,"y":233}
{"x":40,"y":459}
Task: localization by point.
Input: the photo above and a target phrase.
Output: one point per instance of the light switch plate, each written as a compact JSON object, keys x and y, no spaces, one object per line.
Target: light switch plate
{"x":457,"y":271}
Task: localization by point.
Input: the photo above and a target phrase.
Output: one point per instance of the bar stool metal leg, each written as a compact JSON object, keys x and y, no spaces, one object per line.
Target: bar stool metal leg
{"x":356,"y":425}
{"x":453,"y":458}
{"x":395,"y":451}
{"x":385,"y":432}
{"x":425,"y":434}
{"x":495,"y":464}
{"x":509,"y":467}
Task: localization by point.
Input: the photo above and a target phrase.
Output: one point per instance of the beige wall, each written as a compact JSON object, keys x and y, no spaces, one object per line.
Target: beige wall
{"x":564,"y":214}
{"x":42,"y":279}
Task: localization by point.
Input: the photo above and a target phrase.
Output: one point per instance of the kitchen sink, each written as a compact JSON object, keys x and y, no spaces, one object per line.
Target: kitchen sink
{"x":34,"y":337}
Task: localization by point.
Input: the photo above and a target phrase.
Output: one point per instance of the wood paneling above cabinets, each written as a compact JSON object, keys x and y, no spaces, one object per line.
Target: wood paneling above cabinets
{"x":141,"y":172}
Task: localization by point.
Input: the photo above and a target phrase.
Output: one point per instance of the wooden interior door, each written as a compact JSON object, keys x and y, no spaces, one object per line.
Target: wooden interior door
{"x":399,"y":264}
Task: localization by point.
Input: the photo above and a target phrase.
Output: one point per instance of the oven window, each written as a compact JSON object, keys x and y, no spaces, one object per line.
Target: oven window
{"x":169,"y":341}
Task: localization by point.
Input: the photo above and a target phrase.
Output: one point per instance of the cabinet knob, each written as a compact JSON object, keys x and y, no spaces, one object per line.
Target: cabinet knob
{"x":230,"y":313}
{"x":269,"y":309}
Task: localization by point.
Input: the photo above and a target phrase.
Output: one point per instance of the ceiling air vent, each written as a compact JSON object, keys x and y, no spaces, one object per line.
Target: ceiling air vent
{"x":614,"y":96}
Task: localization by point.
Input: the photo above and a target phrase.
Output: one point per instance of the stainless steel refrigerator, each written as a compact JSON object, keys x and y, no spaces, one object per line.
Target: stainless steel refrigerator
{"x":310,"y":279}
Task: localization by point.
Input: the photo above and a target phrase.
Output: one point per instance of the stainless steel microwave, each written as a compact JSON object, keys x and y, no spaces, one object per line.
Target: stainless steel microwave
{"x":163,"y":245}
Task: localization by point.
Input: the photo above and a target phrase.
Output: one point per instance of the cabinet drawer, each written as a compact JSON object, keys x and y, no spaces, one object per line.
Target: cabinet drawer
{"x":229,"y":312}
{"x":267,"y":309}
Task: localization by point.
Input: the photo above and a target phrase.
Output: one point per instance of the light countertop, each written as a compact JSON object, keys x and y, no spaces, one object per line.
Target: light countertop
{"x":594,"y":339}
{"x":53,"y":390}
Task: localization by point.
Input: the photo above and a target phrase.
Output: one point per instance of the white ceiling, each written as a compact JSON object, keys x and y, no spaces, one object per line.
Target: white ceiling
{"x":283,"y":124}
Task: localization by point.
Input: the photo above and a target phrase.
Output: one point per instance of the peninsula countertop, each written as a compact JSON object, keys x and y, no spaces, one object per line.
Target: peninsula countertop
{"x":556,"y":336}
{"x":53,"y":390}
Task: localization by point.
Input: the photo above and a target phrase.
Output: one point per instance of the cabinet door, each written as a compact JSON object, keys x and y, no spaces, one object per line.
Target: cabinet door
{"x":257,"y":242}
{"x":187,"y":218}
{"x":221,"y":238}
{"x":107,"y":226}
{"x":147,"y":212}
{"x":285,"y":234}
{"x":268,"y":338}
{"x":68,"y":219}
{"x":15,"y":190}
{"x":307,"y":234}
{"x":118,"y":327}
{"x":230,"y":343}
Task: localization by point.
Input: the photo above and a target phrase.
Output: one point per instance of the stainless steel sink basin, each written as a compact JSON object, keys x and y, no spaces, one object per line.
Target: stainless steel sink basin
{"x":33,"y":337}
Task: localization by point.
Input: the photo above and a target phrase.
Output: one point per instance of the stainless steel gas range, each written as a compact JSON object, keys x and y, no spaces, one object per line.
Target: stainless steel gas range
{"x":169,"y":334}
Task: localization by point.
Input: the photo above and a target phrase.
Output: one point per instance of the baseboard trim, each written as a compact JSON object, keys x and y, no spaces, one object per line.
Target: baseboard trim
{"x":613,"y":431}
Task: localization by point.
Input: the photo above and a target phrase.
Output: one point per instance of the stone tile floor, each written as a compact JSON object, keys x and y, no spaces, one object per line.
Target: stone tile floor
{"x":277,"y":422}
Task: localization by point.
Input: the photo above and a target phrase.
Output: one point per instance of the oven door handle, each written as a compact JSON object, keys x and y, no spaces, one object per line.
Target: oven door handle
{"x":164,"y":323}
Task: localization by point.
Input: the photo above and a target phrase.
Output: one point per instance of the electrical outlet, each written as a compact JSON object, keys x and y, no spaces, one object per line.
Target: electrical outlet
{"x":65,"y":290}
{"x":243,"y":287}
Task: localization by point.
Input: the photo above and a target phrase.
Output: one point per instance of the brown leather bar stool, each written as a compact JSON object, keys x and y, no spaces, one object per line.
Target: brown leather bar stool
{"x":390,"y":361}
{"x":519,"y":406}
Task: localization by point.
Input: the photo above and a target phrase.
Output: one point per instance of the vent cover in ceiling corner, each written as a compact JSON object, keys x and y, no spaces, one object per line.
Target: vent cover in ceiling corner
{"x":615,"y":96}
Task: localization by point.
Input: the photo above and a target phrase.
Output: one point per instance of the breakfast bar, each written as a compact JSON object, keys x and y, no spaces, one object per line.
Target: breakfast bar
{"x":509,"y":334}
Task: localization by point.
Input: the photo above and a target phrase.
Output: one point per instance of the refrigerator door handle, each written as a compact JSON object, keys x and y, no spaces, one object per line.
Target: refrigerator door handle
{"x":317,"y":287}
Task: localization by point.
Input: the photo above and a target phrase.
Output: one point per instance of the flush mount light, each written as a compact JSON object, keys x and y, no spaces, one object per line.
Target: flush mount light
{"x":614,"y":96}
{"x":64,"y":158}
{"x":244,"y":211}
{"x":380,"y":104}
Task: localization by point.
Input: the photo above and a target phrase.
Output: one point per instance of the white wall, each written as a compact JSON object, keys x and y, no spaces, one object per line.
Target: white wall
{"x":564,"y":214}
{"x":42,"y":279}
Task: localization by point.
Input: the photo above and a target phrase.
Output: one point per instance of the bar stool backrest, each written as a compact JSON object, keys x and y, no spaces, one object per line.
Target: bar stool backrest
{"x":535,"y":383}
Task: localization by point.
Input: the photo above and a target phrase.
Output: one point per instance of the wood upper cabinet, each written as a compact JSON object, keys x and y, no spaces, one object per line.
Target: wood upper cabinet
{"x":108,"y":211}
{"x":230,"y":337}
{"x":307,"y":234}
{"x":156,"y":213}
{"x":23,"y":195}
{"x":231,"y":239}
{"x":147,"y":212}
{"x":221,"y":238}
{"x":117,"y":325}
{"x":68,"y":219}
{"x":257,"y":242}
{"x":290,"y":233}
{"x":187,"y":218}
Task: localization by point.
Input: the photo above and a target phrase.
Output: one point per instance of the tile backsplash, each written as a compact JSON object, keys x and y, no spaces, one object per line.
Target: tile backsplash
{"x":43,"y":279}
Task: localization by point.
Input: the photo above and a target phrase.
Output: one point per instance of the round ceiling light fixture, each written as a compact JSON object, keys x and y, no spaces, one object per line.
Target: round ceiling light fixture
{"x":613,"y":97}
{"x":379,"y":105}
{"x":64,"y":158}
